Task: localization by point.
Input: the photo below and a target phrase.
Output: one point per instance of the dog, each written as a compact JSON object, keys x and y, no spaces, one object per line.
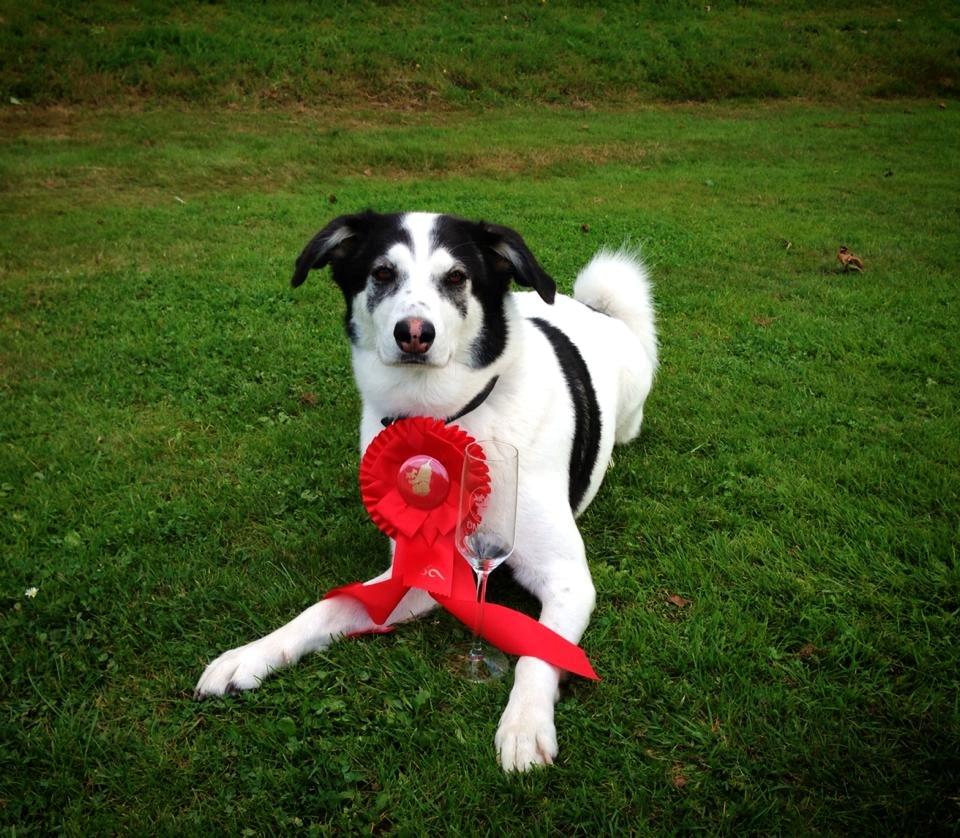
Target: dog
{"x":435,"y":330}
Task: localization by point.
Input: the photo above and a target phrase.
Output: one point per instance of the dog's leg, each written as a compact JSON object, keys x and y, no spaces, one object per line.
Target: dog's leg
{"x":553,"y":567}
{"x":315,"y":628}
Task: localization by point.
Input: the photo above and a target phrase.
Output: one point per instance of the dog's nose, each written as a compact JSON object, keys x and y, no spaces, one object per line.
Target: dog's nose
{"x":414,"y":335}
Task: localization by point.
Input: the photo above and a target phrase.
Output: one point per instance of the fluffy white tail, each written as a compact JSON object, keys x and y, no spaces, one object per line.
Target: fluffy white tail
{"x":616,"y":283}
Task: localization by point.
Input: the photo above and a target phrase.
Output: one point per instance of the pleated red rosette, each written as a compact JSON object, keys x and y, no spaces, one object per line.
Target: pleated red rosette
{"x":421,"y":519}
{"x":410,"y":483}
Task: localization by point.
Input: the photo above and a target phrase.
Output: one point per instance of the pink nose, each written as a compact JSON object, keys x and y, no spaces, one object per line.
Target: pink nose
{"x":414,"y":336}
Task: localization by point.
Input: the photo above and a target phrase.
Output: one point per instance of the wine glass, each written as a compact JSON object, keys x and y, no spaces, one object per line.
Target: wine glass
{"x":486,"y":529}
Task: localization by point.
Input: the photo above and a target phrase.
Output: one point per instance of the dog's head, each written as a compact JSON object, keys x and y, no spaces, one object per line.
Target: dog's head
{"x":424,"y":289}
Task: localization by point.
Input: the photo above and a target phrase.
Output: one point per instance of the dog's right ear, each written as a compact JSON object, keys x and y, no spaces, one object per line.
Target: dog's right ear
{"x":334,"y":242}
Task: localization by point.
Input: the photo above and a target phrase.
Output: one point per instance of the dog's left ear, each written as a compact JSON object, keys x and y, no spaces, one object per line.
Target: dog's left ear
{"x":508,"y":256}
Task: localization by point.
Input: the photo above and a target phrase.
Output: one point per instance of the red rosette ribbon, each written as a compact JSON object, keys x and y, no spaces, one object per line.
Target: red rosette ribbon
{"x":410,"y":484}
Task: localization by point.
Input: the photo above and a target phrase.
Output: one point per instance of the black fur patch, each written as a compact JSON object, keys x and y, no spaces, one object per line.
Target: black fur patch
{"x":587,"y":426}
{"x":459,"y":238}
{"x":368,"y":235}
{"x":379,"y":291}
{"x":456,"y":295}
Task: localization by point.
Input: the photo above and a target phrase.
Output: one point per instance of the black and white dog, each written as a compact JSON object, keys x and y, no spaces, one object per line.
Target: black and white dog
{"x":435,"y":331}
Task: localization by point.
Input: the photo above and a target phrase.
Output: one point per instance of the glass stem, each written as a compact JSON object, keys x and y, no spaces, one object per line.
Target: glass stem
{"x":476,"y":653}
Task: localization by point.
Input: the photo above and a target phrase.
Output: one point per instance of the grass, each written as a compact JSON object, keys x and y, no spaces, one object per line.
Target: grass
{"x":442,"y":54}
{"x":178,"y":465}
{"x":178,"y":426}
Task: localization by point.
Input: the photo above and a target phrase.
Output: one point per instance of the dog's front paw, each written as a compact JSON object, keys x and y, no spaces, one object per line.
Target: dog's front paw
{"x":526,"y":737}
{"x":239,"y":669}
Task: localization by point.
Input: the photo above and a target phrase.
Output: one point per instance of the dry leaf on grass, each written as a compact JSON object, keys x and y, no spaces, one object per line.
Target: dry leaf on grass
{"x":808,"y":650}
{"x":677,"y":776}
{"x":850,"y":261}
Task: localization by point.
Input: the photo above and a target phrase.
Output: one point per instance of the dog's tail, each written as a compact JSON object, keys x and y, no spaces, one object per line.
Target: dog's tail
{"x":616,"y":283}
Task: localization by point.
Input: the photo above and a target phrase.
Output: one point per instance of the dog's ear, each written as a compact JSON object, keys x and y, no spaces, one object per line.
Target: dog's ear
{"x":508,"y":256}
{"x":334,"y":242}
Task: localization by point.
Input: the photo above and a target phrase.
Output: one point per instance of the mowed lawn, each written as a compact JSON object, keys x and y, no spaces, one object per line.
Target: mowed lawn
{"x":775,"y":557}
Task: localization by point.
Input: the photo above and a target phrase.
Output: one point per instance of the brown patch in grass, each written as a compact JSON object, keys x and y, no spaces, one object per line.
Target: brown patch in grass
{"x":157,"y":180}
{"x":494,"y":162}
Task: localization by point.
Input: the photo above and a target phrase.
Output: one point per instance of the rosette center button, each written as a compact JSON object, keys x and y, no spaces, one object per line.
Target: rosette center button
{"x":423,"y":482}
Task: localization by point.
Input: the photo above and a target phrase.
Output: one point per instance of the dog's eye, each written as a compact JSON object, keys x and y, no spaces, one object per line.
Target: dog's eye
{"x":455,"y":277}
{"x":384,"y":274}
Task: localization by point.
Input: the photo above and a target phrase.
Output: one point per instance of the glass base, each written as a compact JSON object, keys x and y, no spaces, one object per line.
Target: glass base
{"x":490,"y":665}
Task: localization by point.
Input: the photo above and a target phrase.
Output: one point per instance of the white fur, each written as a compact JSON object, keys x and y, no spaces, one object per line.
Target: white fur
{"x":530,"y":408}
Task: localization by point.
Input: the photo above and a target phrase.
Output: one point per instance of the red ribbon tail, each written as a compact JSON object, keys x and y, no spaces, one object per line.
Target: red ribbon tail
{"x":378,"y":599}
{"x":518,"y":634}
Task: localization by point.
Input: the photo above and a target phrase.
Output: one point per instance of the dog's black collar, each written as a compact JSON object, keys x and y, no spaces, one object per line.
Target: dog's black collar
{"x":471,"y":405}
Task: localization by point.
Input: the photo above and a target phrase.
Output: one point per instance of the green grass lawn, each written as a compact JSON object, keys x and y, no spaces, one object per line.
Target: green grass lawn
{"x":447,"y":53}
{"x":178,"y":474}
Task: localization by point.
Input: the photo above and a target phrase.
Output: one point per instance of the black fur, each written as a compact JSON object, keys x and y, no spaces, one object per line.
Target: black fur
{"x":456,"y":295}
{"x":475,"y":244}
{"x":379,"y":291}
{"x":368,"y":235}
{"x":587,"y":427}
